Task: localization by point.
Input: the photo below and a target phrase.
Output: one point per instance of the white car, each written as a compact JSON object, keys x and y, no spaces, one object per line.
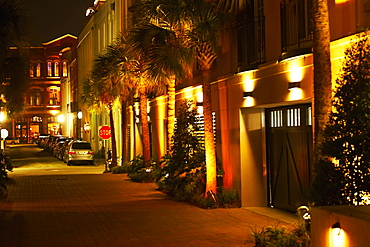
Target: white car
{"x":11,"y":140}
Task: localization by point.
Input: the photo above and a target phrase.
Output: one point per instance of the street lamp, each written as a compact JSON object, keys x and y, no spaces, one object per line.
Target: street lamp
{"x":79,"y":116}
{"x":2,"y":119}
{"x":60,"y":120}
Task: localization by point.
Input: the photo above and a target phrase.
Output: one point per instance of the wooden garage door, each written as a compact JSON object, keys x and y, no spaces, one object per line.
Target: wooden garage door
{"x":289,"y":148}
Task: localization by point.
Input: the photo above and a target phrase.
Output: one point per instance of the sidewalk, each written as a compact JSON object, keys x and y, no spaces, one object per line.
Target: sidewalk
{"x":64,"y":209}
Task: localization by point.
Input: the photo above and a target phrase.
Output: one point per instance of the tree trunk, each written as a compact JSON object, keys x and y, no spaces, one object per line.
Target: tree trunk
{"x":113,"y":137}
{"x":322,"y":72}
{"x":171,"y":113}
{"x":211,"y":184}
{"x":145,"y":128}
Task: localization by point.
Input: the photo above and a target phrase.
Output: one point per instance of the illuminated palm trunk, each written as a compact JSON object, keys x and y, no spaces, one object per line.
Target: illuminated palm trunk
{"x":113,"y":136}
{"x":322,"y":71}
{"x":145,"y":128}
{"x":170,"y":113}
{"x":209,"y":134}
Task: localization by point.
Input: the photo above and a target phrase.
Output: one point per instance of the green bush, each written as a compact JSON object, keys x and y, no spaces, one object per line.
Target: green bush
{"x":182,"y":175}
{"x":227,"y":198}
{"x":279,"y":237}
{"x":138,"y":172}
{"x":125,"y":168}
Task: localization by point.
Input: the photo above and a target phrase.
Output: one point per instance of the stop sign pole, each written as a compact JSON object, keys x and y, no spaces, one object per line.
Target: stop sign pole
{"x":105,"y":132}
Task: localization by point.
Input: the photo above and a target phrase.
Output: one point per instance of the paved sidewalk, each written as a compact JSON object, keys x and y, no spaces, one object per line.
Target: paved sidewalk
{"x":66,"y":209}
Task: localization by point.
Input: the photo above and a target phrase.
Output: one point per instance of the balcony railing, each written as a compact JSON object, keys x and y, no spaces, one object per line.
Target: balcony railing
{"x":296,"y":24}
{"x":251,"y":42}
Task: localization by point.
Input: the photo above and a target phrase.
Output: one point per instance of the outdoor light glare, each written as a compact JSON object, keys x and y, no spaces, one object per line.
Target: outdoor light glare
{"x":336,"y":228}
{"x":79,"y":114}
{"x":60,"y":118}
{"x":2,"y":116}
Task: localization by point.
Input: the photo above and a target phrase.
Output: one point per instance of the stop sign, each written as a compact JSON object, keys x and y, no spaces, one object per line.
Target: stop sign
{"x":4,"y":133}
{"x":104,"y":132}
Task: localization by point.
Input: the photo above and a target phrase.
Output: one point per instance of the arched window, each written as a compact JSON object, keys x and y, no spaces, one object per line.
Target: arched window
{"x":53,"y":96}
{"x":56,"y":69}
{"x":35,"y":97}
{"x":65,"y":69}
{"x":31,"y":70}
{"x":50,"y":71}
{"x":38,"y":69}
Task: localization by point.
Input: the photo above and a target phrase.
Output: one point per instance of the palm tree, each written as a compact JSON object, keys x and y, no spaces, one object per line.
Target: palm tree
{"x":13,"y":63}
{"x":144,"y":79}
{"x":106,"y":85}
{"x":199,"y":24}
{"x":159,"y":40}
{"x":322,"y":72}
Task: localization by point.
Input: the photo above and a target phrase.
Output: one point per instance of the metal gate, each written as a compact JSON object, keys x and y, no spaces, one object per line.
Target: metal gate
{"x":289,"y":149}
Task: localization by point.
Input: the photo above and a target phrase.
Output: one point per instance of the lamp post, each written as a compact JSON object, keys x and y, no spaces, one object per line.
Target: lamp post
{"x":79,"y":116}
{"x":2,"y":118}
{"x":60,"y":120}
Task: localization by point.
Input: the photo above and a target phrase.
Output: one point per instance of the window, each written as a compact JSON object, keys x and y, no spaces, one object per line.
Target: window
{"x":65,"y":70}
{"x":294,"y":117}
{"x":251,"y":35}
{"x":50,"y":72}
{"x":296,"y":27}
{"x":56,"y":69}
{"x":38,"y":69}
{"x":276,"y":118}
{"x":53,"y":96}
{"x":31,"y":69}
{"x":35,"y":97}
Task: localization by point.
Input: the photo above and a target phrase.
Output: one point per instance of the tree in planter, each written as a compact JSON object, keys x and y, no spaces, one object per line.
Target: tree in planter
{"x":183,"y":172}
{"x":348,"y":131}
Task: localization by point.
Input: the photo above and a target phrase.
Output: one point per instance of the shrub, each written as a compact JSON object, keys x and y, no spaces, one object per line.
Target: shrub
{"x":279,"y":237}
{"x":227,"y":198}
{"x":125,"y":168}
{"x":183,"y":170}
{"x":138,"y":172}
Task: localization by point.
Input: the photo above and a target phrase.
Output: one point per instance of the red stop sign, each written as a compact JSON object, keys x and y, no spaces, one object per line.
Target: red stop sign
{"x":104,"y":132}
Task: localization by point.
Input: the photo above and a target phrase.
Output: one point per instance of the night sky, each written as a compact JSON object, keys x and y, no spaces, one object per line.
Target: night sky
{"x":50,"y":19}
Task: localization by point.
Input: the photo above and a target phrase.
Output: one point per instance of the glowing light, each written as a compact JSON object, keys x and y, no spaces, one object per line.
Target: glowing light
{"x":60,"y":118}
{"x":2,"y":116}
{"x":341,"y":1}
{"x":248,"y":102}
{"x":295,"y":94}
{"x":338,"y":236}
{"x":248,"y":81}
{"x":295,"y":69}
{"x":54,"y":112}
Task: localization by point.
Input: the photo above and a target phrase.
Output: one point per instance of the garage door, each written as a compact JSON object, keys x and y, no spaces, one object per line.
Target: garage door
{"x":289,"y":149}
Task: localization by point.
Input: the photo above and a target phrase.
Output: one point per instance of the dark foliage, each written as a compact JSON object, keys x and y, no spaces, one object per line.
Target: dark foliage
{"x":347,"y":134}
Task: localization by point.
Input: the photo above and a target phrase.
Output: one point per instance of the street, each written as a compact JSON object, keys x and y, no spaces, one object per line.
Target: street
{"x":52,"y":204}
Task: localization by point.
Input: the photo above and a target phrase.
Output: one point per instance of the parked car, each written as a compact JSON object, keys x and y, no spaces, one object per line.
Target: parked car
{"x":42,"y":139}
{"x":11,"y":140}
{"x":63,"y":148}
{"x":78,"y":152}
{"x":57,"y":148}
{"x":55,"y":141}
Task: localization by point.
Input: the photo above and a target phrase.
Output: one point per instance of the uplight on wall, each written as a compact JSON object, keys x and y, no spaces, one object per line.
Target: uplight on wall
{"x":294,"y":85}
{"x":247,"y":95}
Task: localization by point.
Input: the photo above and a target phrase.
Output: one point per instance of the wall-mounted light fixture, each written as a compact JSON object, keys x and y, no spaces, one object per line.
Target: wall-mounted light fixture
{"x":247,"y":94}
{"x":336,"y":228}
{"x":294,"y":85}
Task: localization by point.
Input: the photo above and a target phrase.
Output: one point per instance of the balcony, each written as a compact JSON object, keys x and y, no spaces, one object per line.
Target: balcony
{"x":296,"y":28}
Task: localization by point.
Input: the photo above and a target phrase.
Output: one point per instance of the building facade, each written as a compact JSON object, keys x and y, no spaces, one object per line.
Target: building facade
{"x":48,"y":67}
{"x":262,"y":96}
